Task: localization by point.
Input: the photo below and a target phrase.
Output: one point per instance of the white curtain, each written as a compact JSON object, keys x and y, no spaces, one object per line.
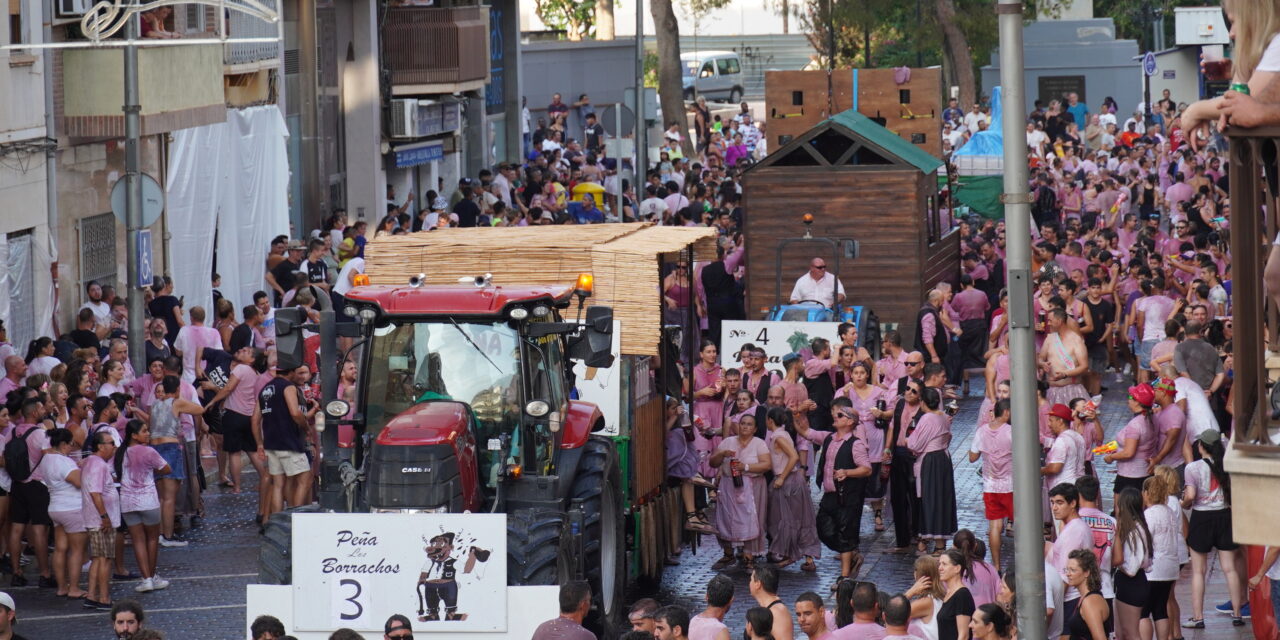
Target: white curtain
{"x":230,"y":179}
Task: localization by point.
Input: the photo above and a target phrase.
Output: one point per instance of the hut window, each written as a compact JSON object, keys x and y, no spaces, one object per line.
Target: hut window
{"x":918,"y":138}
{"x":865,"y":156}
{"x":831,"y":144}
{"x":904,"y":96}
{"x":799,"y":157}
{"x":797,"y":98}
{"x":933,"y":225}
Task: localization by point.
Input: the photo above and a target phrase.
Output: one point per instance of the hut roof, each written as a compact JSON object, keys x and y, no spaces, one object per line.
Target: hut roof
{"x":848,"y":140}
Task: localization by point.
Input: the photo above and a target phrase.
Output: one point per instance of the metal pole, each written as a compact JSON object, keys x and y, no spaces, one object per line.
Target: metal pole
{"x":51,"y":155}
{"x":617,"y":128}
{"x":1028,"y":543}
{"x":133,"y":195}
{"x":315,"y":186}
{"x":641,"y":168}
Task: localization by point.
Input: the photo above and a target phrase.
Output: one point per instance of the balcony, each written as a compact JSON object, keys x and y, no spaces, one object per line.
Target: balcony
{"x":179,"y":88}
{"x":1253,"y":460}
{"x":436,"y":50}
{"x":244,"y":57}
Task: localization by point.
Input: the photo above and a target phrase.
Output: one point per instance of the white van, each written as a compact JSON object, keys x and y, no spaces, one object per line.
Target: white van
{"x":717,"y":75}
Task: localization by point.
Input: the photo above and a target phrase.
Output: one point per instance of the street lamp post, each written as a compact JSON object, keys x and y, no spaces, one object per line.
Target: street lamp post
{"x":133,"y":194}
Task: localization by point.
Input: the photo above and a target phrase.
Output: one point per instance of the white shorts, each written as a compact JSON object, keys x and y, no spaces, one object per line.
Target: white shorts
{"x":287,"y":463}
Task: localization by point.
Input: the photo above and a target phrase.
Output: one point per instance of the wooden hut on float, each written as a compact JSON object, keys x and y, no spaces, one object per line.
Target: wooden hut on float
{"x":862,"y":181}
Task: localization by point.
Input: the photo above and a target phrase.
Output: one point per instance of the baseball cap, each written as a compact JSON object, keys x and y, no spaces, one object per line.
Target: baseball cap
{"x":1165,"y":384}
{"x":395,"y":623}
{"x":1143,"y":394}
{"x":439,"y":204}
{"x":466,"y":182}
{"x":1061,"y":411}
{"x":6,"y":601}
{"x":1208,"y":437}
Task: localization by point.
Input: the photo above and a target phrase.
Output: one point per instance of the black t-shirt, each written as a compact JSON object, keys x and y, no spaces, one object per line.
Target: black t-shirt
{"x":154,"y":352}
{"x":217,"y":368}
{"x":317,"y":271}
{"x":241,"y":337}
{"x":468,"y":213}
{"x":163,"y":307}
{"x":959,"y":604}
{"x":1101,"y":314}
{"x":283,"y":273}
{"x":84,"y":338}
{"x":593,"y":133}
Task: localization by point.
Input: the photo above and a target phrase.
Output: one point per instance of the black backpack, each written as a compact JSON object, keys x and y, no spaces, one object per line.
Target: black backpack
{"x":87,"y":448}
{"x":17,"y":461}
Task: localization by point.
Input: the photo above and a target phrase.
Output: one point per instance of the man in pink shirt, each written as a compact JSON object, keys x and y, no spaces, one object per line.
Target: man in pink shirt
{"x":897,"y":615}
{"x":15,"y":369}
{"x":29,"y":498}
{"x":842,"y":470}
{"x":1065,"y":460}
{"x":811,"y":614}
{"x":971,"y":306}
{"x":994,"y":441}
{"x":866,"y":609}
{"x":1064,"y":502}
{"x":709,"y":625}
{"x":191,"y":339}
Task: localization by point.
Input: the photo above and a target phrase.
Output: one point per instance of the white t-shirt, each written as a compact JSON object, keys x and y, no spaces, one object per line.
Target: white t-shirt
{"x":1166,"y":533}
{"x":54,"y":469}
{"x":190,"y":339}
{"x":1271,"y":57}
{"x":1068,"y":448}
{"x":354,"y":265}
{"x":1199,"y":414}
{"x":1209,"y":494}
{"x":1054,"y":588}
{"x":821,"y":290}
{"x":1036,"y":140}
{"x":101,"y":311}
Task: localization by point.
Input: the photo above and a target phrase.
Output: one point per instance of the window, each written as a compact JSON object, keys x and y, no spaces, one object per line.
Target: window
{"x":98,"y":248}
{"x":194,"y":17}
{"x":728,"y":66}
{"x":707,"y":71}
{"x":16,"y":35}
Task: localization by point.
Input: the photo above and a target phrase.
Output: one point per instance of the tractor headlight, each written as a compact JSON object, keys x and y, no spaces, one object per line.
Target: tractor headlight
{"x":537,"y":408}
{"x":337,"y":408}
{"x":518,"y":313}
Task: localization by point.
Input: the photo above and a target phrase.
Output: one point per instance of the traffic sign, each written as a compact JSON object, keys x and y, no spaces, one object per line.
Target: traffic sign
{"x":152,"y":201}
{"x":1149,"y":64}
{"x":143,"y":261}
{"x":609,"y":117}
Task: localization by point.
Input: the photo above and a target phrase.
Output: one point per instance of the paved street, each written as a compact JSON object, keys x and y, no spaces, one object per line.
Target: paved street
{"x":892,"y":572}
{"x":205,"y":600}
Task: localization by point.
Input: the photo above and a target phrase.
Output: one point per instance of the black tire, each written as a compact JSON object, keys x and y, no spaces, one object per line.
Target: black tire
{"x":275,"y":555}
{"x":690,"y":95}
{"x":598,"y":485}
{"x":735,"y":95}
{"x":533,"y":546}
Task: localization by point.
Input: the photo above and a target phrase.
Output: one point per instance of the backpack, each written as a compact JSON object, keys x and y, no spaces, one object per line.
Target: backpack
{"x":87,"y":448}
{"x":17,"y":460}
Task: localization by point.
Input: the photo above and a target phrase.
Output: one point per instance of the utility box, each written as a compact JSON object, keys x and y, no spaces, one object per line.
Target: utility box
{"x":1199,"y":26}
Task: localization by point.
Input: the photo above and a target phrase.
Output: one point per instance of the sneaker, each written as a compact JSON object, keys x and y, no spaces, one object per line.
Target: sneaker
{"x":172,"y":542}
{"x":1224,"y":608}
{"x":144,"y":586}
{"x":158,"y":582}
{"x":1193,"y":623}
{"x":1244,"y":611}
{"x":17,"y":581}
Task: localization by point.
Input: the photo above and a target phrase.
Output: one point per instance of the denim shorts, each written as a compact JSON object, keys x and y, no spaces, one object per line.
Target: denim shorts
{"x":174,"y":454}
{"x":1144,"y":353}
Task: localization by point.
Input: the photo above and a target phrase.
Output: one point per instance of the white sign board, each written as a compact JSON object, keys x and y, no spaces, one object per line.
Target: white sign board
{"x":447,"y":572}
{"x":776,"y":338}
{"x":603,"y":386}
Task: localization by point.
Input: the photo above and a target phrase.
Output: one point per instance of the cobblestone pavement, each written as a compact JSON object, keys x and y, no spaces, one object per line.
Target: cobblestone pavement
{"x":206,"y":597}
{"x":891,"y":572}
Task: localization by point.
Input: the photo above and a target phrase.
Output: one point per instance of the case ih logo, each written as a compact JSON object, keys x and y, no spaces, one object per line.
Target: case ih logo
{"x":415,"y":469}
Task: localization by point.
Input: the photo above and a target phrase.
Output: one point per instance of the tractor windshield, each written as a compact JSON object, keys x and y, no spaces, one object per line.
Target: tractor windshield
{"x":413,"y":362}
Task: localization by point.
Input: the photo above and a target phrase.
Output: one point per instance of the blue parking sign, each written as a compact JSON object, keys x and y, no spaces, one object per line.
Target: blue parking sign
{"x":143,"y":259}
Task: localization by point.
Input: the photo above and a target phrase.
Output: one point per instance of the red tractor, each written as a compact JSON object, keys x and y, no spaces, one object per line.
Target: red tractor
{"x":463,"y":404}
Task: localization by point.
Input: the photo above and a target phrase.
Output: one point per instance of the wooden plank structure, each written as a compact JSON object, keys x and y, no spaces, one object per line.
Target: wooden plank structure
{"x":622,"y":257}
{"x":858,"y":180}
{"x":796,"y":101}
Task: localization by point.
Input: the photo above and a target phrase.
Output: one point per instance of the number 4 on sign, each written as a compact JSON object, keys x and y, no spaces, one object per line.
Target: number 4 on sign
{"x":763,"y":336}
{"x":348,"y":603}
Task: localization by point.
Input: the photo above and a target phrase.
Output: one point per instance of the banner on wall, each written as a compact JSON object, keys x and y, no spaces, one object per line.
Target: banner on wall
{"x":447,"y":572}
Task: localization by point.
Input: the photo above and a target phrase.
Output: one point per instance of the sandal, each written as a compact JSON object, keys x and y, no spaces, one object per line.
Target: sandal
{"x":693,"y":521}
{"x":724,"y":562}
{"x":922,"y":547}
{"x":699,"y":481}
{"x":879,"y":519}
{"x":1193,"y":623}
{"x":783,"y":563}
{"x":809,"y":565}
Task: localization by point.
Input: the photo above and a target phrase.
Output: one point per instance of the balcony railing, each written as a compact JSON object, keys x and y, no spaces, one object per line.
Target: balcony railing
{"x":240,"y":25}
{"x":432,"y":46}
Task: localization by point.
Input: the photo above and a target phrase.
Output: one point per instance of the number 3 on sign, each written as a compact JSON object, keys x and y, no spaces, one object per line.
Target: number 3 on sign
{"x":349,"y":603}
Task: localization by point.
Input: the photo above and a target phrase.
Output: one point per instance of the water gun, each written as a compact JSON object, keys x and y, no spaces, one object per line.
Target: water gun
{"x":1104,"y":449}
{"x":1119,"y":200}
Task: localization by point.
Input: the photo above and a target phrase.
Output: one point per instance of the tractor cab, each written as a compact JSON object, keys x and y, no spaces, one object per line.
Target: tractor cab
{"x":463,"y":391}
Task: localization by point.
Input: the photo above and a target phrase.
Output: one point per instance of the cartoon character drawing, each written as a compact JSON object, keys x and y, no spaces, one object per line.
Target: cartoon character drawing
{"x":438,"y":579}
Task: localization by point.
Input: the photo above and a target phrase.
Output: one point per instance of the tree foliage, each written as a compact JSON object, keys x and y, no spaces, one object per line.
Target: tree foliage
{"x":575,"y":17}
{"x":1132,"y":18}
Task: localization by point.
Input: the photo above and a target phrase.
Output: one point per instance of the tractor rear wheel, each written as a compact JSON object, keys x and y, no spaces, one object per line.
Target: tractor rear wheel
{"x":598,"y":484}
{"x":533,"y":546}
{"x":275,"y":555}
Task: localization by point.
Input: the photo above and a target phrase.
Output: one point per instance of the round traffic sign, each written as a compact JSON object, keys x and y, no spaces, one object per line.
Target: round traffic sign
{"x":152,"y":200}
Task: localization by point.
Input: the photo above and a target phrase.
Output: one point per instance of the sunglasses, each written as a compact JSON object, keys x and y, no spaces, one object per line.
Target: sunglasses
{"x":912,"y":364}
{"x":912,"y":390}
{"x":407,"y":636}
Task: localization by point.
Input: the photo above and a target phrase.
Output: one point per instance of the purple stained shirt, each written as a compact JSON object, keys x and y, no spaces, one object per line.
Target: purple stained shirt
{"x":1170,"y":418}
{"x":970,"y":304}
{"x":1136,"y":429}
{"x":859,"y":631}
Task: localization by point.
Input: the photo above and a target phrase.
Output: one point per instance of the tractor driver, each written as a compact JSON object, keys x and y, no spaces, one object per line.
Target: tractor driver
{"x":817,"y":285}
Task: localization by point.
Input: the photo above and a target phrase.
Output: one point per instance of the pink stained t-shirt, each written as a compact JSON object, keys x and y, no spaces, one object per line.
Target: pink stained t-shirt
{"x":190,"y":339}
{"x":1170,"y":418}
{"x":1136,"y":429}
{"x":859,"y":631}
{"x":138,"y":486}
{"x":997,"y":457}
{"x":242,"y":398}
{"x":1075,"y":535}
{"x":1068,"y":449}
{"x":95,"y":477}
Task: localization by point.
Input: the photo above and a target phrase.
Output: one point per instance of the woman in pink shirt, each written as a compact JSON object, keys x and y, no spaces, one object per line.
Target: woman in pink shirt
{"x":241,"y":396}
{"x":935,"y":479}
{"x":136,"y":466}
{"x":872,"y":406}
{"x":741,"y":513}
{"x":792,"y":528}
{"x":708,"y":403}
{"x":1138,"y":441}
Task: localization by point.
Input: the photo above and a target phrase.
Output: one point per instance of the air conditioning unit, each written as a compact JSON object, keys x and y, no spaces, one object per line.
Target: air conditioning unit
{"x":73,"y":8}
{"x":404,"y":117}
